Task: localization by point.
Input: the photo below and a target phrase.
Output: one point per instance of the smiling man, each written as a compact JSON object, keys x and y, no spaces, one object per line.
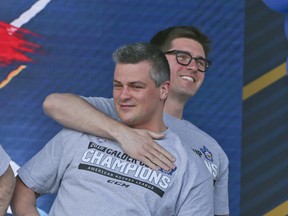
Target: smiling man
{"x":185,"y":79}
{"x":135,"y":98}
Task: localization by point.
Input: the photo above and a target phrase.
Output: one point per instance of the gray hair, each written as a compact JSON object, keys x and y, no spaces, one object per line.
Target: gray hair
{"x":138,"y":52}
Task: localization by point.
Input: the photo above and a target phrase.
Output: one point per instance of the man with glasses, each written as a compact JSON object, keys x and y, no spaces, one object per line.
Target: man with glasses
{"x":184,"y":58}
{"x":186,"y":49}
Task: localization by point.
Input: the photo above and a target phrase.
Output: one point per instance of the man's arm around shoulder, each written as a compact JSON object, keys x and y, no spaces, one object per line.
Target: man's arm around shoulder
{"x":74,"y":112}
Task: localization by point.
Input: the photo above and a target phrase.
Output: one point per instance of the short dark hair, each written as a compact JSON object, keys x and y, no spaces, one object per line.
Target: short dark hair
{"x":163,"y":39}
{"x":138,"y":52}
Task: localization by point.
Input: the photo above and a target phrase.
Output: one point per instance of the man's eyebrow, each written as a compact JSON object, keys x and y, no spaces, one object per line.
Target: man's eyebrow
{"x":131,"y":83}
{"x":137,"y":83}
{"x":116,"y":81}
{"x":197,"y":56}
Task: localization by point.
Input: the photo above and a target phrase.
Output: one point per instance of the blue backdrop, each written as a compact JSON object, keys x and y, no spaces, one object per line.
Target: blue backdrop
{"x":77,"y":40}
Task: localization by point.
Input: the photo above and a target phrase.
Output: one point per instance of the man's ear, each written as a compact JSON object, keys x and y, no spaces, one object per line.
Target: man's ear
{"x":164,"y":89}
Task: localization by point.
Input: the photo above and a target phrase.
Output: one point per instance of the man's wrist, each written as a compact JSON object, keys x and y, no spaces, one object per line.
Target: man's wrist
{"x":118,"y":132}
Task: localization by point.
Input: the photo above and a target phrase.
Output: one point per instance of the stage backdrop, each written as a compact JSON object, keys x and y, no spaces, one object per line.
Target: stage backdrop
{"x":66,"y":46}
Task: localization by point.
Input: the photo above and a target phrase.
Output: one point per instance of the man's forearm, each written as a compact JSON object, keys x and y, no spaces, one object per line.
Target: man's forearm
{"x":23,"y":202}
{"x":7,"y":185}
{"x":74,"y":112}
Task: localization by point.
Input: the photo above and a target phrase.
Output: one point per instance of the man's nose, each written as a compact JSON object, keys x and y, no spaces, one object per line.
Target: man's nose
{"x":192,"y":65}
{"x":124,"y":94}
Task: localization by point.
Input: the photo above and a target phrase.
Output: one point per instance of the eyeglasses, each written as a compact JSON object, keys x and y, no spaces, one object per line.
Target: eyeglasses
{"x":185,"y":58}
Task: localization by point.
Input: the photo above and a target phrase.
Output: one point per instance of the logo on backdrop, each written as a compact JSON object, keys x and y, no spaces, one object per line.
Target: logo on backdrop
{"x":14,"y":45}
{"x":14,"y":50}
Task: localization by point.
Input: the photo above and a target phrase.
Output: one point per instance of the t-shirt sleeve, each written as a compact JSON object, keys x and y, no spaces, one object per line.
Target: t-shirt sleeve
{"x":199,"y":201}
{"x":221,"y":196}
{"x":43,"y":172}
{"x":105,"y":105}
{"x":4,"y":160}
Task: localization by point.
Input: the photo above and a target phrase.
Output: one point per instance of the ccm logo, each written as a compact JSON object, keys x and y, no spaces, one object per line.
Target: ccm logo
{"x":118,"y":183}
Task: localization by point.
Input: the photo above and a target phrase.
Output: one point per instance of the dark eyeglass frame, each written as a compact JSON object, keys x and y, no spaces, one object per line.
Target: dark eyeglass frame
{"x":176,"y":52}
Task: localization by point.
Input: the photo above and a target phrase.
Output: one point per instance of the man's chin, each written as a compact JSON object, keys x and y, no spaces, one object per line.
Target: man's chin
{"x":185,"y":95}
{"x":127,"y":121}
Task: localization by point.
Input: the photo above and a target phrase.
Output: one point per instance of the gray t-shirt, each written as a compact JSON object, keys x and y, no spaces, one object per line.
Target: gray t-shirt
{"x":4,"y":161}
{"x":93,"y":176}
{"x":196,"y":140}
{"x":211,"y":153}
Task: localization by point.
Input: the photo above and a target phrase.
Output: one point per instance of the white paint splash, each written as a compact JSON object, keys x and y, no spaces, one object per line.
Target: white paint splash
{"x":30,"y":13}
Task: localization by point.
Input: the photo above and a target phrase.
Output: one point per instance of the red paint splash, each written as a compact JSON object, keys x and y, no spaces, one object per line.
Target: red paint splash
{"x":13,"y":44}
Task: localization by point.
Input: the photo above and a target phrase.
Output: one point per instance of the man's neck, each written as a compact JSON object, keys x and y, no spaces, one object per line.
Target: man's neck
{"x":157,"y":129}
{"x":156,"y":125}
{"x":174,"y":108}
